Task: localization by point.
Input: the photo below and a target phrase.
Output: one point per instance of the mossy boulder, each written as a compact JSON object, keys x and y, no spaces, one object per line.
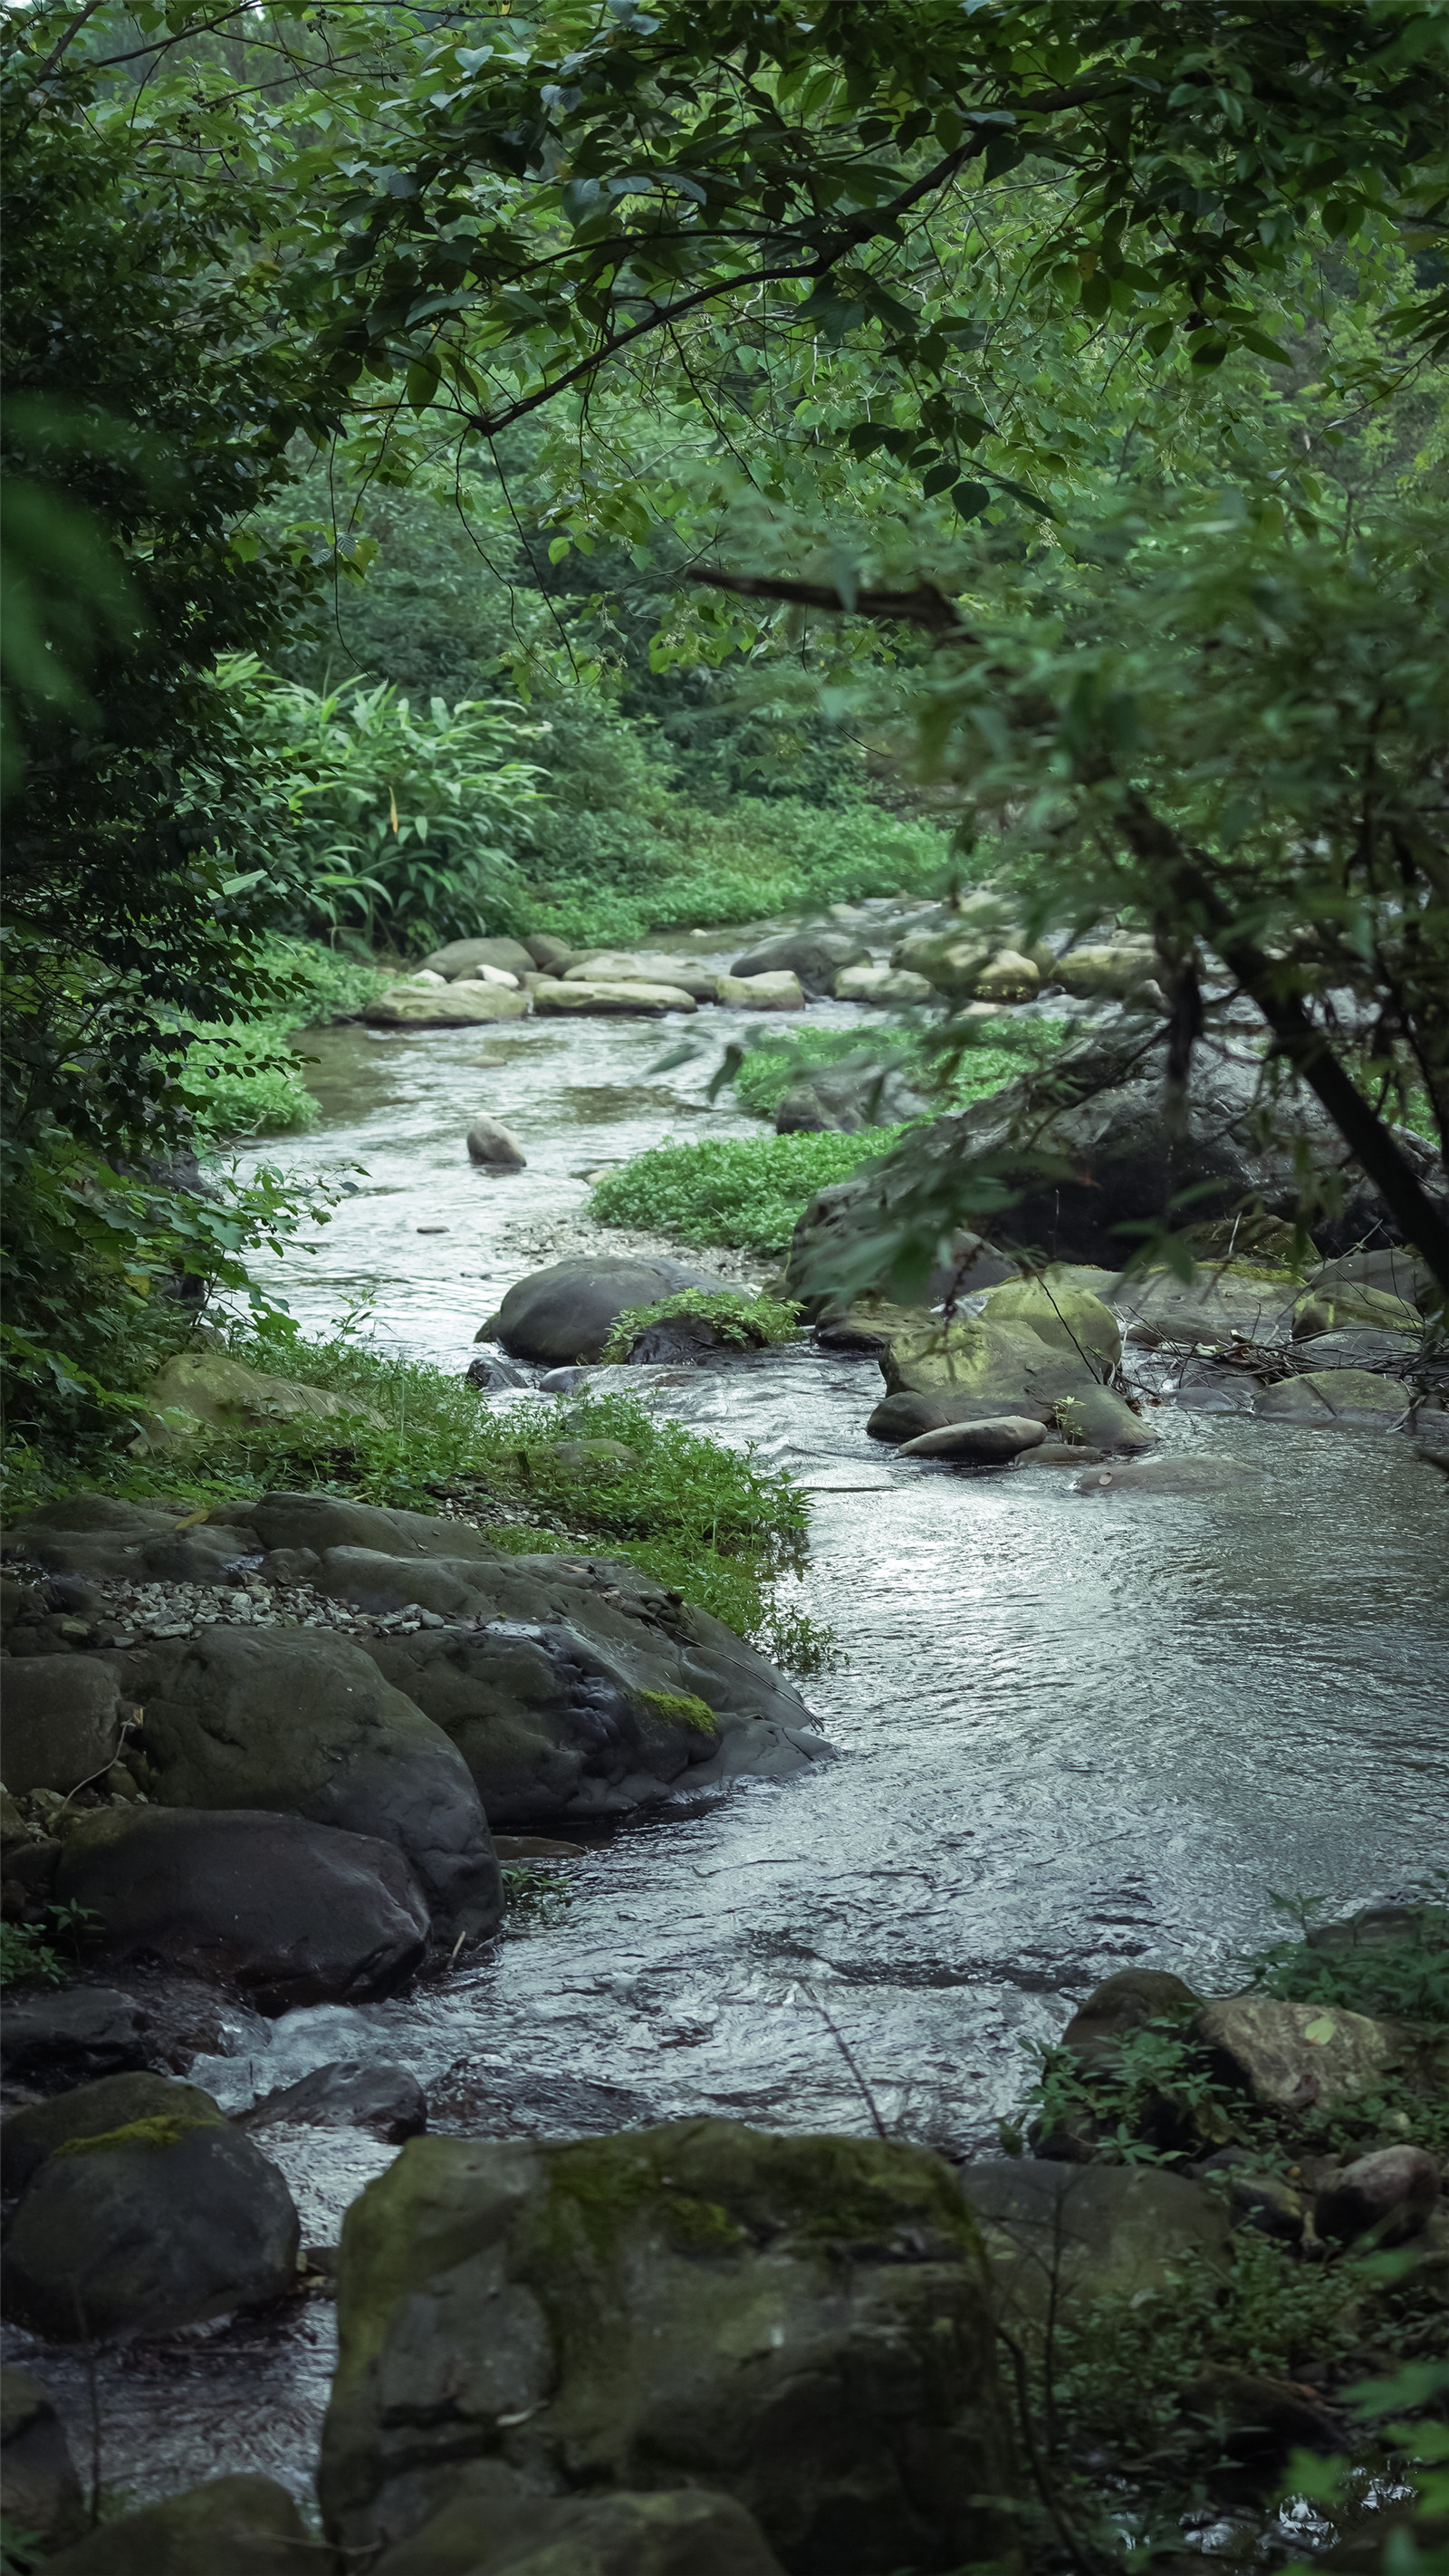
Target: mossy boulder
{"x":1336,"y":1399}
{"x":799,"y":2323}
{"x":30,"y":2136}
{"x":238,"y":2526}
{"x":161,"y":2217}
{"x":1330,"y":1310}
{"x":1058,"y":2232}
{"x":302,"y":1721}
{"x":1037,"y":1349}
{"x":204,"y":1390}
{"x":1069,"y":1318}
{"x":612,"y":2535}
{"x":1298,"y":2057}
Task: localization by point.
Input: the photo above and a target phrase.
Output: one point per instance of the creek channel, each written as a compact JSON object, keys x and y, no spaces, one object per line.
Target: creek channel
{"x":1074,"y":1731}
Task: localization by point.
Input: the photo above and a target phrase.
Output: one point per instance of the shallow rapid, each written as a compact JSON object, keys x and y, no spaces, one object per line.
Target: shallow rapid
{"x":1074,"y":1731}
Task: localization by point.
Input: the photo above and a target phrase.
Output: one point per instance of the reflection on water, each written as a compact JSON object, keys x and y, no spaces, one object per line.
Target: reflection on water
{"x":1076,"y":1731}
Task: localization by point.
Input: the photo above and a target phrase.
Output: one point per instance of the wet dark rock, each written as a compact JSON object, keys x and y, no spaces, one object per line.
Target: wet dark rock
{"x":595,"y":1698}
{"x":1380,"y":1927}
{"x":302,"y":1722}
{"x":321,"y":1521}
{"x":1391,"y":2194}
{"x":864,"y":1331}
{"x":1262,"y":2419}
{"x":1084,"y":2232}
{"x":239,"y":2526}
{"x":53,"y":2040}
{"x":1125,"y":1162}
{"x":62,"y":1723}
{"x":899,"y":1418}
{"x":815,"y":956}
{"x":289,"y":1911}
{"x":389,"y":2100}
{"x":1297,"y":2057}
{"x":567,"y":1312}
{"x":288,"y":1565}
{"x":800,"y":2323}
{"x":683,"y":2534}
{"x":559,"y":1381}
{"x":492,"y":1375}
{"x":37,"y":2474}
{"x":161,"y":2218}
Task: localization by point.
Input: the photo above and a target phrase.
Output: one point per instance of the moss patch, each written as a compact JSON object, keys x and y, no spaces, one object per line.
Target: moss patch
{"x":678,"y":1708}
{"x":165,"y":2130}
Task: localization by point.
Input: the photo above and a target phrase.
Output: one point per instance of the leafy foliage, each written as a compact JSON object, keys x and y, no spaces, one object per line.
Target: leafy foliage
{"x":405,"y":825}
{"x":735,"y":1190}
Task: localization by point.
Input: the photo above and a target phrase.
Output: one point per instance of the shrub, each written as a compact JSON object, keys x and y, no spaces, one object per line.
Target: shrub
{"x":745,"y":1190}
{"x":745,"y":1321}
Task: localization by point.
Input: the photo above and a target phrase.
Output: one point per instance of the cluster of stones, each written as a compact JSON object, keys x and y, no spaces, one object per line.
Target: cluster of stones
{"x":692,"y":2347}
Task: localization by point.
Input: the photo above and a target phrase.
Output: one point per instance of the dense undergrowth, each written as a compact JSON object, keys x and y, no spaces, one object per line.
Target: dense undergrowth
{"x":948,"y":1064}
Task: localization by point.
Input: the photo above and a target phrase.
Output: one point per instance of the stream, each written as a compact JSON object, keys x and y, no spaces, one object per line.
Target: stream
{"x":1075,"y":1732}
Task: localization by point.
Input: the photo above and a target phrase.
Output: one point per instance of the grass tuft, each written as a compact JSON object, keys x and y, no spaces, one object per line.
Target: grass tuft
{"x":745,"y":1190}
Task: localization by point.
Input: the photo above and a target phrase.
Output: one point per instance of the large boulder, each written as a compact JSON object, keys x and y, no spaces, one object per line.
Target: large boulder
{"x":1297,"y":2057}
{"x":140,"y":2098}
{"x":483,"y":2533}
{"x":801,"y":2323}
{"x":814,"y":957}
{"x":300,"y":1720}
{"x":777,"y":992}
{"x":567,"y":1312}
{"x":1106,"y":973}
{"x":888,"y":987}
{"x":206,"y":1390}
{"x":1120,"y":1160}
{"x":100,"y":1539}
{"x":291,"y":1912}
{"x":1337,"y":1399}
{"x":458,"y":1005}
{"x":593,"y":997}
{"x":1222,"y":1300}
{"x":51,"y":2041}
{"x":1040,"y":1349}
{"x":621,"y":966}
{"x":460,"y":956}
{"x":1059,"y":2232}
{"x":62,"y":1723}
{"x":552,"y":1721}
{"x":157,"y":2221}
{"x":37,"y":2474}
{"x":236,"y":2526}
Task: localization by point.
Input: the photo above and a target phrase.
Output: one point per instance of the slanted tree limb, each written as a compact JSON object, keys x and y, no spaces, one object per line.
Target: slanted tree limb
{"x":924,"y":606}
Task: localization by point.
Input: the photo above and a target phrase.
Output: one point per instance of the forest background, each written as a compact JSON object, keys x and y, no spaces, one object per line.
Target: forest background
{"x":602,"y":468}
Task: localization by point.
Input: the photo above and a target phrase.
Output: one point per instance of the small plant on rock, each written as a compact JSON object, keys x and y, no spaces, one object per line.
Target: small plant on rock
{"x":750,"y":1323}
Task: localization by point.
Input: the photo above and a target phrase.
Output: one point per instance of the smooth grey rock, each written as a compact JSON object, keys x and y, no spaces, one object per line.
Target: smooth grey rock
{"x":290,"y":1911}
{"x":37,"y":2474}
{"x":490,"y":1142}
{"x":299,"y":1720}
{"x":1168,"y":1474}
{"x":1336,"y":1399}
{"x":567,"y":1312}
{"x":237,"y":2526}
{"x":815,"y":957}
{"x":492,"y":1376}
{"x":460,"y":956}
{"x":62,"y":1723}
{"x":1082,"y":2232}
{"x":163,"y":2220}
{"x":1297,"y":2057}
{"x":801,"y":2323}
{"x":977,"y":1444}
{"x":1391,"y":2194}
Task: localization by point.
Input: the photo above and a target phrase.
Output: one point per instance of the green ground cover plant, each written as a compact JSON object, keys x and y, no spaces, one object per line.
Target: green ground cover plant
{"x":946,"y":1059}
{"x":742,"y":1190}
{"x":747,"y":1322}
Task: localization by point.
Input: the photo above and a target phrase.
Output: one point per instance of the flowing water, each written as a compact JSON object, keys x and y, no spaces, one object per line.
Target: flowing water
{"x":1074,"y":1732}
